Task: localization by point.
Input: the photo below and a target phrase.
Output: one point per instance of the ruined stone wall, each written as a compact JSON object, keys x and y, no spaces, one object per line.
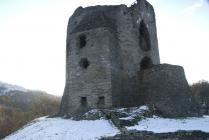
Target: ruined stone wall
{"x":165,"y":89}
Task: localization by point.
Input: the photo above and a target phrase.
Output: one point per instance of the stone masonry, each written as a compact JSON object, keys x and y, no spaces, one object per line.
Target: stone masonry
{"x":107,"y":48}
{"x":165,"y":89}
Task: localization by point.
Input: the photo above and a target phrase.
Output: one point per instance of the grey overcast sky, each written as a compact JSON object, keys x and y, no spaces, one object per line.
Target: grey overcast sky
{"x":33,"y":34}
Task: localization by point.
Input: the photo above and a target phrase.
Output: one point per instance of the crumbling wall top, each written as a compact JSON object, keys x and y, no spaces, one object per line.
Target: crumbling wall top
{"x":104,"y":16}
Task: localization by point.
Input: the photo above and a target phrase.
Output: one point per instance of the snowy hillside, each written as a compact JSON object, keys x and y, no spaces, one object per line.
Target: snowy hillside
{"x":5,"y":88}
{"x":68,"y":129}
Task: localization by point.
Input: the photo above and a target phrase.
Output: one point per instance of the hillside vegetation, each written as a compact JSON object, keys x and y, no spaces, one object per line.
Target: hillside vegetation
{"x":18,"y":107}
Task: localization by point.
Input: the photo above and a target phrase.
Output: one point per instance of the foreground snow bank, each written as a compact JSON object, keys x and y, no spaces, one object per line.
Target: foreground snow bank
{"x":162,"y":125}
{"x":64,"y":129}
{"x":68,"y":129}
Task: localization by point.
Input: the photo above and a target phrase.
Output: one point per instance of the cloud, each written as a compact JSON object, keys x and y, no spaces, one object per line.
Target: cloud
{"x":194,"y":7}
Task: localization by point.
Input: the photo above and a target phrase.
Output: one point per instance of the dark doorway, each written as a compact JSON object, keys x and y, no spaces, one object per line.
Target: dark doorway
{"x":83,"y":101}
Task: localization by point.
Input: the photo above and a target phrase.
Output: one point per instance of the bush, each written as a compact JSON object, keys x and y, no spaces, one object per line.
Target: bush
{"x":200,"y":91}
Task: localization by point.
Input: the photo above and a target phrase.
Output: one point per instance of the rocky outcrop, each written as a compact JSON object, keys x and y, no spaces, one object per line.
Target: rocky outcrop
{"x":144,"y":135}
{"x":165,"y":89}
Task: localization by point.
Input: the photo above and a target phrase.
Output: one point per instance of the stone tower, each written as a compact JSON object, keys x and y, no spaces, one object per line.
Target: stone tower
{"x":106,"y":48}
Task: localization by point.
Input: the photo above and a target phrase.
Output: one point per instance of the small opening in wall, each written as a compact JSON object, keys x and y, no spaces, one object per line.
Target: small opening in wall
{"x":83,"y":101}
{"x":146,"y":63}
{"x":101,"y":100}
{"x":84,"y":63}
{"x":82,"y":41}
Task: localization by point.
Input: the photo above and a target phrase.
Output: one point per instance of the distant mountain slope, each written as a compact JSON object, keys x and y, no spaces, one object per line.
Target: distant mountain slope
{"x":19,"y":105}
{"x":5,"y":88}
{"x":13,"y":96}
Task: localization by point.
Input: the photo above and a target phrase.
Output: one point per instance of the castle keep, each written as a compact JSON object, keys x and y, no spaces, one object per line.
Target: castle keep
{"x":108,"y":49}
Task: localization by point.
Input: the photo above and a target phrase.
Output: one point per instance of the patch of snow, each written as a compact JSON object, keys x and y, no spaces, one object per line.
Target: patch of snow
{"x":132,"y":112}
{"x":93,"y":111}
{"x":64,"y":129}
{"x":121,"y":109}
{"x":140,"y":109}
{"x":9,"y":87}
{"x":144,"y":107}
{"x":127,"y":118}
{"x":41,"y":118}
{"x":163,"y":125}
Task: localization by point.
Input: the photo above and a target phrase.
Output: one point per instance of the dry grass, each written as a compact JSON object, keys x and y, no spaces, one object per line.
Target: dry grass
{"x":12,"y":119}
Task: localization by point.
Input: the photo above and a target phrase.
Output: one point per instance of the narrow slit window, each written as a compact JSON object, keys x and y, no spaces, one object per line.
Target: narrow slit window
{"x":82,"y":41}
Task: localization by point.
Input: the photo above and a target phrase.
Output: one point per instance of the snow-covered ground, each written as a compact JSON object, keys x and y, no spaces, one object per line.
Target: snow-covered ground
{"x":64,"y":129}
{"x":162,"y":125}
{"x":67,"y":129}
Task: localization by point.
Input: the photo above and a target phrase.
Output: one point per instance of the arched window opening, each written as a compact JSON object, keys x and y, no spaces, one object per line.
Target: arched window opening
{"x":82,"y":41}
{"x":144,"y":39}
{"x":146,"y":63}
{"x":84,"y":63}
